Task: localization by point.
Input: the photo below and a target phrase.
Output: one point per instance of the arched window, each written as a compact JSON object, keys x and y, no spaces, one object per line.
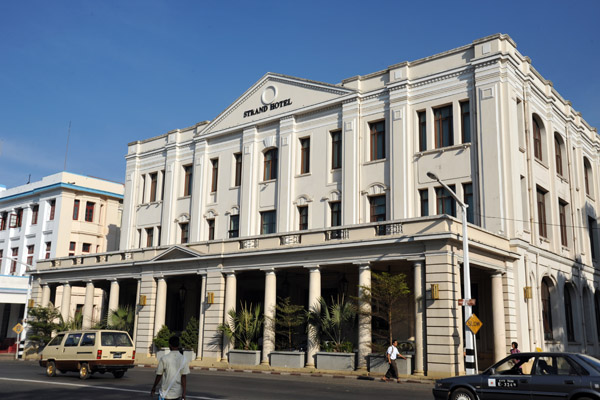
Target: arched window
{"x":569,"y":313}
{"x":558,"y":150}
{"x":537,"y":140}
{"x":587,"y":176}
{"x":546,"y":310}
{"x":270,"y":165}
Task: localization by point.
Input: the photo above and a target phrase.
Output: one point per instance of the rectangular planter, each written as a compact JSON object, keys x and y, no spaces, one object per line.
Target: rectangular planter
{"x":287,"y":359}
{"x":244,"y":357}
{"x":188,"y":354}
{"x":378,"y":363}
{"x":335,"y":361}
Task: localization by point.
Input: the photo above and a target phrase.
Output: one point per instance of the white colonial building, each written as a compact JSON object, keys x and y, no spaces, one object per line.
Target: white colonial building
{"x":303,"y":189}
{"x":63,"y":214}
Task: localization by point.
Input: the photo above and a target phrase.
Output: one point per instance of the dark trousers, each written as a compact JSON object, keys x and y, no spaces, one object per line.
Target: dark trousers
{"x":392,"y":371}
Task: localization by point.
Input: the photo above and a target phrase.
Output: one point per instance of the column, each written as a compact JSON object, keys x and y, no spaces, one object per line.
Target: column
{"x":269,"y":325}
{"x":88,"y":306}
{"x":45,"y":295}
{"x":201,"y":318}
{"x":500,"y":349}
{"x":65,"y":305}
{"x":113,"y":299}
{"x":364,"y":315}
{"x":314,"y":293}
{"x":161,"y":304}
{"x":418,"y":289}
{"x":230,"y":299}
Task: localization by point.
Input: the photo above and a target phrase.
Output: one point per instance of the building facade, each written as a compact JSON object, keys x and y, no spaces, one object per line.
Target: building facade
{"x":304,"y":189}
{"x":63,"y":214}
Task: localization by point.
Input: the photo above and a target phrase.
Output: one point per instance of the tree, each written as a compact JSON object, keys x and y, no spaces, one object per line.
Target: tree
{"x":386,"y":297}
{"x":333,"y":324}
{"x":189,"y":336}
{"x":161,"y":340}
{"x":121,"y":319}
{"x":71,"y":324}
{"x":288,"y":317}
{"x":244,"y":327}
{"x":42,"y":322}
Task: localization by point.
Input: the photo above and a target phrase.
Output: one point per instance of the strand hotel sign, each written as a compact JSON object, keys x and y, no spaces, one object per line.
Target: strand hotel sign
{"x":268,"y":99}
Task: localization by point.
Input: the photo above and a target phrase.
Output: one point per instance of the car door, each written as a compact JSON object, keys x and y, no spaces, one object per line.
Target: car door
{"x":509,"y":379}
{"x":68,"y":358}
{"x":52,"y":349}
{"x":555,"y":376}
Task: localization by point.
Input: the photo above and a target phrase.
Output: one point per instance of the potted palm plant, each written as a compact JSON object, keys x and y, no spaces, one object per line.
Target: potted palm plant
{"x":334,"y":329}
{"x":244,"y":328}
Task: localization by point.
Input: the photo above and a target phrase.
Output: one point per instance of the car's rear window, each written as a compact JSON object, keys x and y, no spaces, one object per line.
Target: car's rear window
{"x":591,"y":361}
{"x":115,"y":339}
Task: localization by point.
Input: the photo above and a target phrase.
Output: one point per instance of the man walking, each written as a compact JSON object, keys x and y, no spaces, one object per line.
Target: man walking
{"x":175,"y":368}
{"x":391,"y":354}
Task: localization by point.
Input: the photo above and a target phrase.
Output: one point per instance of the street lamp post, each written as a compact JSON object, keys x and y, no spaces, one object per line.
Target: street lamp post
{"x":470,"y":347}
{"x":23,"y":333}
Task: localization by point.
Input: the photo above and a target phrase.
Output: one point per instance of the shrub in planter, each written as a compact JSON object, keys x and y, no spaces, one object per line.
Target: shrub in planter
{"x":333,"y":324}
{"x":161,"y":340}
{"x":244,"y":327}
{"x":288,"y":317}
{"x":189,"y":336}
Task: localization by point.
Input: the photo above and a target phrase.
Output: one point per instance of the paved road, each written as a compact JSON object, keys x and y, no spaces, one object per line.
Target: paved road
{"x":27,"y":380}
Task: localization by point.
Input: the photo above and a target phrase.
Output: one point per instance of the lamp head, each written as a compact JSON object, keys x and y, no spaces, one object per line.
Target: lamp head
{"x":433,"y":176}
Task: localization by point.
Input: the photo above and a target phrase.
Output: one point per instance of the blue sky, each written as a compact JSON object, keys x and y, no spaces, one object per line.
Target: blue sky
{"x":126,"y":70}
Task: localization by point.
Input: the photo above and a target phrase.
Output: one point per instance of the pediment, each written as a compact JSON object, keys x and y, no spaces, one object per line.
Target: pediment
{"x":272,"y":96}
{"x":177,"y":253}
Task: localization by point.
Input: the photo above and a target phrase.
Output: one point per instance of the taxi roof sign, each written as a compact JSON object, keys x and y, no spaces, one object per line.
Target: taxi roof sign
{"x":474,"y":324}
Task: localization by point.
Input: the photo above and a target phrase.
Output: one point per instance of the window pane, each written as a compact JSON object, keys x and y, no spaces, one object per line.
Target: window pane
{"x":336,"y":149}
{"x":378,"y":208}
{"x":465,"y":122}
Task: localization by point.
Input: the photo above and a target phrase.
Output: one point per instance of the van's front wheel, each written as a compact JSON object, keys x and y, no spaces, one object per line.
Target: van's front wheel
{"x":51,"y":369}
{"x":84,"y":371}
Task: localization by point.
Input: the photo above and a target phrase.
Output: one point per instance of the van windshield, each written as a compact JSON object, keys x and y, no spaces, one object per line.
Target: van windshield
{"x":115,"y":339}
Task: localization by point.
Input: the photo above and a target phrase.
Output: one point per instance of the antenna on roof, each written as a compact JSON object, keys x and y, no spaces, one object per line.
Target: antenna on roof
{"x":29,"y":179}
{"x":67,"y":150}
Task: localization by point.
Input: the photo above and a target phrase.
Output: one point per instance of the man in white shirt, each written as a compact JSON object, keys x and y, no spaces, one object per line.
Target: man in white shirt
{"x":391,"y":354}
{"x":174,"y":369}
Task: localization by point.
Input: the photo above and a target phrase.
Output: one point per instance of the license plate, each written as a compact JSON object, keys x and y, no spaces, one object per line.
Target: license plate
{"x":509,"y":383}
{"x":117,"y":355}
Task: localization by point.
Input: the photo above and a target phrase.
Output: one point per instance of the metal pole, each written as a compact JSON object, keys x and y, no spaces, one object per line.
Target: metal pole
{"x":24,"y":331}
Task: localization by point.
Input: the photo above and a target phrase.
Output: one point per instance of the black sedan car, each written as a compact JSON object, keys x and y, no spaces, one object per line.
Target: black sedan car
{"x":532,"y":376}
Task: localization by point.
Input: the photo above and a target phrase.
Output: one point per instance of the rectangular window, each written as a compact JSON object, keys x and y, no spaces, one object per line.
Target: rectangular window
{"x":445,"y":201}
{"x":377,"y":130}
{"x":16,"y":218}
{"x":303,"y":218}
{"x":153,"y":186}
{"x":149,"y":237}
{"x":335,"y":207}
{"x":143,"y":189}
{"x":234,"y":226}
{"x":158,"y":235}
{"x":30,"y":253}
{"x":336,"y":149}
{"x":468,"y":200}
{"x":52,"y":209}
{"x":85,"y":247}
{"x":89,"y":211}
{"x":444,"y":135}
{"x":35,"y":211}
{"x":424,"y":198}
{"x":187,"y":180}
{"x":305,"y":155}
{"x":238,"y":169}
{"x":592,"y":235}
{"x":562,"y":212}
{"x":268,"y":222}
{"x":215,"y":174}
{"x":211,"y":228}
{"x":270,"y":165}
{"x":162,"y":185}
{"x":3,"y":220}
{"x":71,"y":249}
{"x":541,"y":208}
{"x":13,"y":263}
{"x":465,"y":121}
{"x":422,"y":130}
{"x":48,"y":249}
{"x":378,"y":208}
{"x":75,"y":210}
{"x":184,"y":232}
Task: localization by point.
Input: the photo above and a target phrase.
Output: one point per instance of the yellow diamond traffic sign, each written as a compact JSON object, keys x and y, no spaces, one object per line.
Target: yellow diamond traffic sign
{"x":474,"y":323}
{"x":18,"y":328}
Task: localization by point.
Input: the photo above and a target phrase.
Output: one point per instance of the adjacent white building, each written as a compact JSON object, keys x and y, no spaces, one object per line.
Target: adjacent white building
{"x":61,"y":215}
{"x":303,"y":189}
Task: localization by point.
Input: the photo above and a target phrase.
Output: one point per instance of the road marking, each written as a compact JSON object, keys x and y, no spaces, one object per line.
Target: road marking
{"x":98,"y":387}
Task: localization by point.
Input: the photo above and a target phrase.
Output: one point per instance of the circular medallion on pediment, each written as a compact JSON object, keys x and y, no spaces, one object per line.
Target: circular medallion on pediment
{"x":269,"y":94}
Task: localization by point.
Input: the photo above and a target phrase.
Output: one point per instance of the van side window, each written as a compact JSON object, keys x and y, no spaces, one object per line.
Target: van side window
{"x":56,"y":341}
{"x":89,"y":339}
{"x":73,"y":339}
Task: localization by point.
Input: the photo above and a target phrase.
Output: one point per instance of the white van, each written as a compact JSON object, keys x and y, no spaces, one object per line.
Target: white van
{"x":88,"y":351}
